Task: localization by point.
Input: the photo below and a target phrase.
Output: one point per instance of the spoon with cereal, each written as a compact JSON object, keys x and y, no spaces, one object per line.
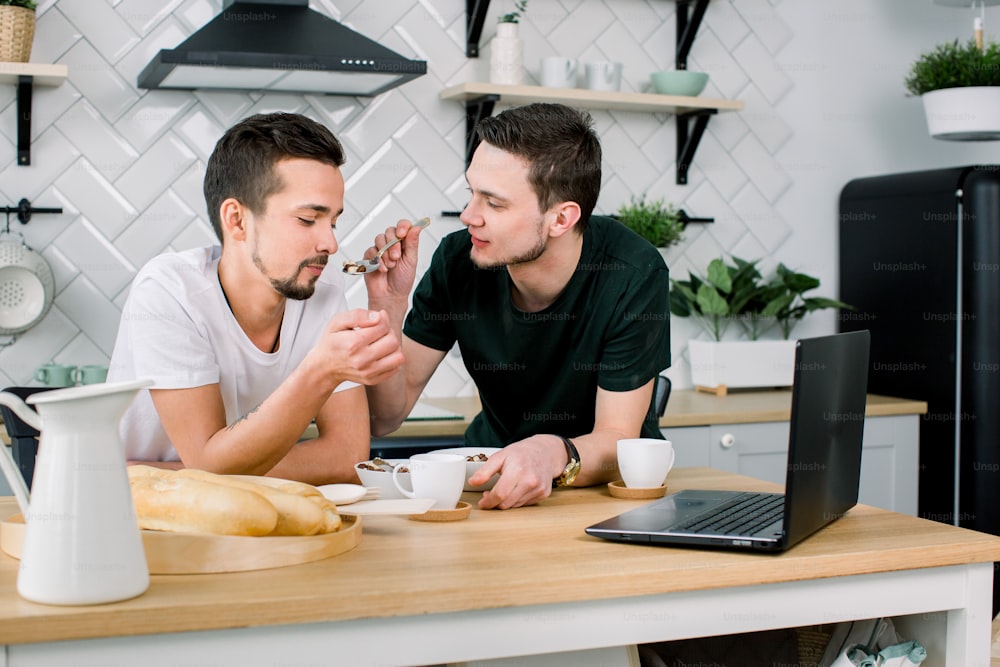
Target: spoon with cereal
{"x":366,"y":265}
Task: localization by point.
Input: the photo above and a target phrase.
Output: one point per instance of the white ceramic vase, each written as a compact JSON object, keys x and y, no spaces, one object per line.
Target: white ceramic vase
{"x":970,"y":113}
{"x":507,"y":56}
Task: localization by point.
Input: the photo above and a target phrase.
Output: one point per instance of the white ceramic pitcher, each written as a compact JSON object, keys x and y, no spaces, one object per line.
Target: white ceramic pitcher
{"x":82,"y":543}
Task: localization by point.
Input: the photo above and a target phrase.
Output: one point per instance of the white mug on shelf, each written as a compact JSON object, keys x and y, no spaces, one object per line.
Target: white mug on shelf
{"x":604,"y":76}
{"x":558,"y":72}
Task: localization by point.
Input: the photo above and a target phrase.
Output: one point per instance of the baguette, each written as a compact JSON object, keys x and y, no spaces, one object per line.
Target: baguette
{"x":187,"y":505}
{"x":331,"y":517}
{"x":297,"y":515}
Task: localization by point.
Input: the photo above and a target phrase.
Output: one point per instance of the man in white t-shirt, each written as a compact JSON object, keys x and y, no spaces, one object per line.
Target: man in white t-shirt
{"x":248,"y":343}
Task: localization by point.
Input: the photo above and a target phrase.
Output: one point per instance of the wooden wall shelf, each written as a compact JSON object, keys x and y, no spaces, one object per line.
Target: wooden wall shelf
{"x":25,"y":76}
{"x":480,"y":98}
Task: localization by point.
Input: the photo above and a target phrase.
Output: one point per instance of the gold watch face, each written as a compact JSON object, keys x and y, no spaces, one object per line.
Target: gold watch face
{"x":570,"y":473}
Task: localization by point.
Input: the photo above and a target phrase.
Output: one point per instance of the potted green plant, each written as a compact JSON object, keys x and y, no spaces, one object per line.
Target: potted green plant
{"x":959,"y":86}
{"x":507,"y":49}
{"x":17,"y":30}
{"x":658,"y":223}
{"x":520,"y":6}
{"x":737,"y":292}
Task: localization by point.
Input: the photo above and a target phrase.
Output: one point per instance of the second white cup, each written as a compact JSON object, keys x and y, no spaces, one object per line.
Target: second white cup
{"x":604,"y":76}
{"x":645,"y":462}
{"x":437,"y":476}
{"x":558,"y":72}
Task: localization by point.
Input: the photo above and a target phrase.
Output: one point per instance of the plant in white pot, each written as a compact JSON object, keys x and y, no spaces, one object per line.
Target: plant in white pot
{"x":507,"y":49}
{"x":959,"y":85}
{"x":737,"y":293}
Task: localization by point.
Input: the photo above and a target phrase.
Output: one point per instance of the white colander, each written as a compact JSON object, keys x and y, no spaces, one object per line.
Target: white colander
{"x":26,"y":285}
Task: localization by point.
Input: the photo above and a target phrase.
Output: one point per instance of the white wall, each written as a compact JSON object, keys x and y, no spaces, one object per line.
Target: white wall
{"x":822,"y":83}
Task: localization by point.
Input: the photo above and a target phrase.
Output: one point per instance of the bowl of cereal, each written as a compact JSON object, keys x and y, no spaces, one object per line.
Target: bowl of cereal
{"x":377,"y":474}
{"x":475,"y":457}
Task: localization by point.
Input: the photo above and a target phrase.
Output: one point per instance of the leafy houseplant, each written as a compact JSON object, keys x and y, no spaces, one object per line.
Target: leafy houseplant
{"x":736,"y":292}
{"x":17,"y":30}
{"x":953,"y":65}
{"x":520,"y":6}
{"x":658,"y":223}
{"x":959,"y":85}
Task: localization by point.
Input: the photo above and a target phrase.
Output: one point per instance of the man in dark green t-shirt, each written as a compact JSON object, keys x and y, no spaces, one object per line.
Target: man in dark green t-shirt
{"x":562,"y":319}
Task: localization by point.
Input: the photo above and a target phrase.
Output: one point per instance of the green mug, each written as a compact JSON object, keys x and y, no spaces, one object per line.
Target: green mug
{"x":56,"y":375}
{"x":92,"y":374}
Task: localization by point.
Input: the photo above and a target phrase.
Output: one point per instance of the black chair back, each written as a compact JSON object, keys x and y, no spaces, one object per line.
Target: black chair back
{"x":661,"y":394}
{"x":23,"y":438}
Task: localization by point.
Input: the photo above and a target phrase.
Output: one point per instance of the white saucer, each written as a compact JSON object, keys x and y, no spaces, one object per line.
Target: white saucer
{"x":343,"y":494}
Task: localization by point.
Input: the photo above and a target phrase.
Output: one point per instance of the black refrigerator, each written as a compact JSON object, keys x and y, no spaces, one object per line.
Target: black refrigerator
{"x":920,"y":262}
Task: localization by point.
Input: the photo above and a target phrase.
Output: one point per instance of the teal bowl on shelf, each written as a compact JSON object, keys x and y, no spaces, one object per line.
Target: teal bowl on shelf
{"x":679,"y":82}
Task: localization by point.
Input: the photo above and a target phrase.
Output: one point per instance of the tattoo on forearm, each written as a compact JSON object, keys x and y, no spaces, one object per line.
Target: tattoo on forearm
{"x":244,"y":417}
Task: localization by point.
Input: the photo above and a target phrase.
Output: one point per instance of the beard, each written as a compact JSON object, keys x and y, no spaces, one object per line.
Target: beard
{"x":529,"y":255}
{"x":289,"y":287}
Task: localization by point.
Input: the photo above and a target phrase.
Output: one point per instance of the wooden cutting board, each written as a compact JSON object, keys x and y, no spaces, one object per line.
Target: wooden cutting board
{"x":187,"y":553}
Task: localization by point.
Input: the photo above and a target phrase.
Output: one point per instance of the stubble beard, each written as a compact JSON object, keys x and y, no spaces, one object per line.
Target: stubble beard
{"x":290,"y":287}
{"x":530,"y":255}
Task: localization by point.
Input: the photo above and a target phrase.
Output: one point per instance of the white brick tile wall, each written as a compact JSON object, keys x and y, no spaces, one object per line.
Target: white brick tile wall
{"x":126,"y":164}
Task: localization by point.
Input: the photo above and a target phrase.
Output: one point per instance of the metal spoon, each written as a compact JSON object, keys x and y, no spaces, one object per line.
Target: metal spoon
{"x":366,"y":265}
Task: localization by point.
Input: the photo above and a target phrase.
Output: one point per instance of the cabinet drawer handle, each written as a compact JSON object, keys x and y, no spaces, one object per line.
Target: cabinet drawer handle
{"x":727,"y":440}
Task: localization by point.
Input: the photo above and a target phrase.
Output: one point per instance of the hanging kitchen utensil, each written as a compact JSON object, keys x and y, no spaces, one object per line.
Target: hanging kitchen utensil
{"x":27,"y":286}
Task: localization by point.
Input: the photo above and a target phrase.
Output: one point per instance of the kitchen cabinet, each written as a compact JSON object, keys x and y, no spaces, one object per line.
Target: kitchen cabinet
{"x":888,"y":461}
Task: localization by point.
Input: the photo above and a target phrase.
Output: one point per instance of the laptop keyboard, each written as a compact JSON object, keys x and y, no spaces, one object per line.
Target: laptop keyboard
{"x":744,"y":515}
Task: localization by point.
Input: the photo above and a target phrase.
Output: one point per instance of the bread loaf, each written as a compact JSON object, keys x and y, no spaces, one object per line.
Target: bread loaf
{"x":187,"y":505}
{"x":296,"y":514}
{"x":198,"y":501}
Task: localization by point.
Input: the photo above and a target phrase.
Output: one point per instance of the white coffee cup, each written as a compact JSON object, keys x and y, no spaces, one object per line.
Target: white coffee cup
{"x":558,"y":72}
{"x":437,"y":476}
{"x":604,"y":75}
{"x":645,"y":462}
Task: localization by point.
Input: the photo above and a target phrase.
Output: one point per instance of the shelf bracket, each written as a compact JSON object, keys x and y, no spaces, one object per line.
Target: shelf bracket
{"x":475,"y":110}
{"x":688,"y":139}
{"x":475,"y":17}
{"x":24,"y":87}
{"x":687,"y":27}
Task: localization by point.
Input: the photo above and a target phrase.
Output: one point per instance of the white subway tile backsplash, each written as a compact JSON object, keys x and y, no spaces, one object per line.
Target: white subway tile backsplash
{"x":87,"y":249}
{"x":96,"y":198}
{"x":199,"y":131}
{"x":154,"y":229}
{"x":155,"y":170}
{"x":54,"y":34}
{"x":91,"y":311}
{"x":143,"y":15}
{"x":51,"y":154}
{"x":759,"y":64}
{"x":98,"y":18}
{"x":149,"y":118}
{"x":98,"y":81}
{"x":102,"y":146}
{"x":761,"y":168}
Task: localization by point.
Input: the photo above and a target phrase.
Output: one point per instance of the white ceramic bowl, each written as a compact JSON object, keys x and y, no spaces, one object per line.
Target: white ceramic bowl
{"x":472,"y":466}
{"x":382,"y":480}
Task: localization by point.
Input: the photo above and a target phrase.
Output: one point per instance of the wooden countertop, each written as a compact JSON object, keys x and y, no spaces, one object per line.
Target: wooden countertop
{"x":494,"y":559}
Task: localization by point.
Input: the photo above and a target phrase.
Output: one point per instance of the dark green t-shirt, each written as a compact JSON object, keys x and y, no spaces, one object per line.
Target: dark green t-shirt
{"x":539,"y":372}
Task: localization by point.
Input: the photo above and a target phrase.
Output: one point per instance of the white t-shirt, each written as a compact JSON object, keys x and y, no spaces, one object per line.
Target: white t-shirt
{"x":178,"y":331}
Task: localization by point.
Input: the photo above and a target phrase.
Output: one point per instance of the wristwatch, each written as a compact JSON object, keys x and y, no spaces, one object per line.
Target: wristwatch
{"x":572,"y":468}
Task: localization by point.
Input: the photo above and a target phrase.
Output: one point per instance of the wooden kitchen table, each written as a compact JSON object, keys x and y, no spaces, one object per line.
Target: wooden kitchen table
{"x":527,"y":581}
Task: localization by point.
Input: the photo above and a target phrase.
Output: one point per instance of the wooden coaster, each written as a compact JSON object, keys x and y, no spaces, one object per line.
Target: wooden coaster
{"x":461,"y":511}
{"x":619,"y":490}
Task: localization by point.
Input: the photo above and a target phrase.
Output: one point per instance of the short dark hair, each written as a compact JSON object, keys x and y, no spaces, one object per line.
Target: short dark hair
{"x":561,"y":147}
{"x":242,"y":164}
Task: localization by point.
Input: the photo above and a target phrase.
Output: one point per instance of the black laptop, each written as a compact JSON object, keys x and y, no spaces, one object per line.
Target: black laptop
{"x":823,"y":471}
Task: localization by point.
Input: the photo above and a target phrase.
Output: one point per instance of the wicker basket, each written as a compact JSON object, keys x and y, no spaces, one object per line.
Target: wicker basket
{"x":17,"y":30}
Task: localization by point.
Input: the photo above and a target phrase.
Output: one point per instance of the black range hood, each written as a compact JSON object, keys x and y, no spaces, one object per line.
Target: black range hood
{"x":279,"y":45}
